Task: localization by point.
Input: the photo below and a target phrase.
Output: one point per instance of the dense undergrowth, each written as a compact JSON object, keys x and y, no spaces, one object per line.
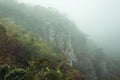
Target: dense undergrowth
{"x":25,"y":57}
{"x":38,"y":43}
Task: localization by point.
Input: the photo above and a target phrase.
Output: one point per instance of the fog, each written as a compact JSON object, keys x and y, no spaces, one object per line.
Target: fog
{"x":99,"y":19}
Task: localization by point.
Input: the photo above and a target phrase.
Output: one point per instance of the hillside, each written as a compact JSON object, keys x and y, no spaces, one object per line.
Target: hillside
{"x":47,"y":45}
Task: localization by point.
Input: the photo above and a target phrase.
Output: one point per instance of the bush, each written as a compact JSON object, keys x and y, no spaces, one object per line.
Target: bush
{"x":2,"y":29}
{"x":3,"y":71}
{"x":17,"y":74}
{"x":53,"y":75}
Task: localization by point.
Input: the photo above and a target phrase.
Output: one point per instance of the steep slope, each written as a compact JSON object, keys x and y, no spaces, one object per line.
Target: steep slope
{"x":25,"y":57}
{"x":61,"y":34}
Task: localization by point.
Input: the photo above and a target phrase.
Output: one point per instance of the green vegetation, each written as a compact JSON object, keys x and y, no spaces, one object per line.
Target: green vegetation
{"x":17,"y":74}
{"x":38,"y":43}
{"x":19,"y":49}
{"x":3,"y":71}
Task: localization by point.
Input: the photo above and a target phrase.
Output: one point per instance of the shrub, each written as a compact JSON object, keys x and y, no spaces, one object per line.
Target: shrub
{"x":17,"y":74}
{"x":3,"y":71}
{"x":53,"y":75}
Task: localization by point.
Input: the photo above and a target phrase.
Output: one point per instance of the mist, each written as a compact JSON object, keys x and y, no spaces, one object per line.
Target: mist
{"x":59,"y":40}
{"x":99,"y":19}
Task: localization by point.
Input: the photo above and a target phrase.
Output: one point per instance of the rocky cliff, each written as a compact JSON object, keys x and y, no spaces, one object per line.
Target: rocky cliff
{"x":61,"y":34}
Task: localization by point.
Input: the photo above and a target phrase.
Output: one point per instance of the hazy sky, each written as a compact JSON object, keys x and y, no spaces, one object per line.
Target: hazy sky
{"x":100,"y":19}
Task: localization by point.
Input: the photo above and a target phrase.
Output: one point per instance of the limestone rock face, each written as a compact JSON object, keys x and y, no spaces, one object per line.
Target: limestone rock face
{"x":62,"y":35}
{"x":100,"y":66}
{"x":60,"y":40}
{"x":74,"y":45}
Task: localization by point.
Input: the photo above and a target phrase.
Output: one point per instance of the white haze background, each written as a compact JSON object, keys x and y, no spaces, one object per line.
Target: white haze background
{"x":100,"y":19}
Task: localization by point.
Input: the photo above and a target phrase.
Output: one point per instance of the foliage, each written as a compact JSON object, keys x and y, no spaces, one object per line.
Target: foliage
{"x":28,"y":44}
{"x":52,"y":75}
{"x":17,"y":74}
{"x":20,"y":49}
{"x":19,"y":43}
{"x":3,"y":71}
